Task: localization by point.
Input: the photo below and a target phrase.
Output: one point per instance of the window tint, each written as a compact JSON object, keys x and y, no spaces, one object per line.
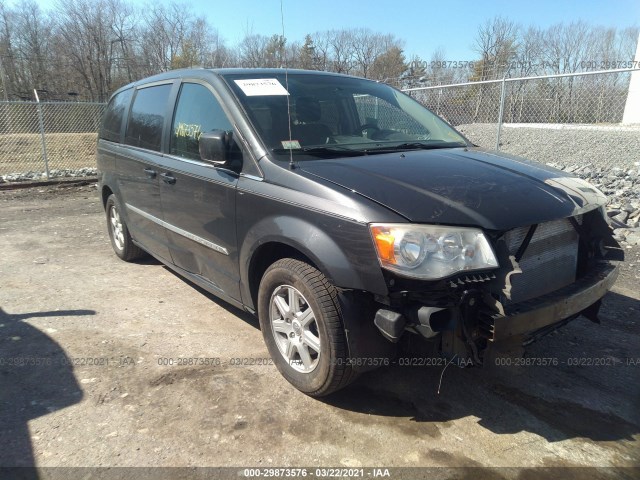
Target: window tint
{"x":197,"y":112}
{"x":112,"y":121}
{"x":147,"y":117}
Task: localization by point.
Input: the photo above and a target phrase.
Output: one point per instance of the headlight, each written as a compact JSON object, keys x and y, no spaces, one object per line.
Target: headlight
{"x":431,"y":252}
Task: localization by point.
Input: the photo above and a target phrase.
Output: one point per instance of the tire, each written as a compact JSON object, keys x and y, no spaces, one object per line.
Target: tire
{"x":121,"y":240}
{"x":315,"y":325}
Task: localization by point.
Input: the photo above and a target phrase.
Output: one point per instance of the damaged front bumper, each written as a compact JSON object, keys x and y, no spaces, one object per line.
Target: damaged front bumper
{"x":529,"y":319}
{"x":473,"y":328}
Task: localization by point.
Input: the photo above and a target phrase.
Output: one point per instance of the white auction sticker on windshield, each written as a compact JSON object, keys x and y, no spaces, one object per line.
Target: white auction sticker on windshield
{"x":261,"y":87}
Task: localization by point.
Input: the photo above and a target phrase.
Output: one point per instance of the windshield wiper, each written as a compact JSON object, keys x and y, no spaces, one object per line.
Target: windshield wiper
{"x":415,"y":146}
{"x":324,"y":151}
{"x":341,"y":151}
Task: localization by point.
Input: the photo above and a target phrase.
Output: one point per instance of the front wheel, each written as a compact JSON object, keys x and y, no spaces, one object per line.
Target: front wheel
{"x":302,"y":326}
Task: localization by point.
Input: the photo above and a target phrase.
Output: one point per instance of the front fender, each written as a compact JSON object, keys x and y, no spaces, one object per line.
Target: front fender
{"x":345,"y":255}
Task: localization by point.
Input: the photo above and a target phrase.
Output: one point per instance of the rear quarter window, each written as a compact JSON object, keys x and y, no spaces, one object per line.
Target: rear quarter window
{"x":147,"y":117}
{"x":113,"y":115}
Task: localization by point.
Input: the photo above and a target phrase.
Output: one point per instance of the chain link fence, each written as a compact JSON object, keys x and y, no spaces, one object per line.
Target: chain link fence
{"x":571,"y":121}
{"x":41,"y":141}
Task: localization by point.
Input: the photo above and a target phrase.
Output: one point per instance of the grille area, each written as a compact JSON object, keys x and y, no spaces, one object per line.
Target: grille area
{"x":549,"y":262}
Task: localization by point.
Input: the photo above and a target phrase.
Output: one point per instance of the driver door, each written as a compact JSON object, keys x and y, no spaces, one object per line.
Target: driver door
{"x":199,"y":198}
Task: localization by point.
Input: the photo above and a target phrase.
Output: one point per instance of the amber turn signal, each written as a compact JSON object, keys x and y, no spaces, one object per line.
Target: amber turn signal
{"x":384,"y":244}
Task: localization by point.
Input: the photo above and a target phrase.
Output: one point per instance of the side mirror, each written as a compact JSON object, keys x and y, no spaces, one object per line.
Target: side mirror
{"x":214,"y":146}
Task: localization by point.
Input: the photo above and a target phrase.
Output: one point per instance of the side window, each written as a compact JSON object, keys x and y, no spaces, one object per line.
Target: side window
{"x":197,"y":112}
{"x":147,"y":117}
{"x":379,"y":112}
{"x":112,"y":120}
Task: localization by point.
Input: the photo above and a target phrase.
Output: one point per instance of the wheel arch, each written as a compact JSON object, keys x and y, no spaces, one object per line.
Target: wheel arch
{"x":280,"y":237}
{"x":266,"y":255}
{"x":105,"y":193}
{"x":356,"y":307}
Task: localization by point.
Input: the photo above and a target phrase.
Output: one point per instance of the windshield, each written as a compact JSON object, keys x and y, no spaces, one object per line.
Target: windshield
{"x":336,"y":116}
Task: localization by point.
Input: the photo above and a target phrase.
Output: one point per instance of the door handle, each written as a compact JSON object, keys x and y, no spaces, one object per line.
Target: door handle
{"x":168,"y":178}
{"x":150,"y":172}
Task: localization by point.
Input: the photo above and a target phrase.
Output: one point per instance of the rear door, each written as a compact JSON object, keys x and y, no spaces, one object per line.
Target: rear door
{"x":138,"y":166}
{"x":198,"y":198}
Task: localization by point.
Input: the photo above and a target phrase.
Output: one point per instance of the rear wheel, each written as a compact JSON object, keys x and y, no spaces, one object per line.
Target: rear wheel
{"x":121,"y":240}
{"x":302,"y":326}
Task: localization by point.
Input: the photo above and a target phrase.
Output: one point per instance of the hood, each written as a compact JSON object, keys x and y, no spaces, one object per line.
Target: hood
{"x":461,"y":186}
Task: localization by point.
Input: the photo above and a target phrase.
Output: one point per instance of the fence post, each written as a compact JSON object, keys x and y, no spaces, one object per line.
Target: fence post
{"x":503,"y":90}
{"x":42,"y":137}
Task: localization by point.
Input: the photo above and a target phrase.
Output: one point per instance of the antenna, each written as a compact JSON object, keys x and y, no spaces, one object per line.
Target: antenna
{"x":286,"y":81}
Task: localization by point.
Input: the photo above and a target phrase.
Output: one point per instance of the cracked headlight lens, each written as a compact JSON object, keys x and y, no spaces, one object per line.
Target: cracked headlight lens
{"x":431,"y":252}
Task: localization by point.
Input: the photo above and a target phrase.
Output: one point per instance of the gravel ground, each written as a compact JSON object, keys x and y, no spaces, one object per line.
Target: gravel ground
{"x":67,"y":298}
{"x":606,"y":147}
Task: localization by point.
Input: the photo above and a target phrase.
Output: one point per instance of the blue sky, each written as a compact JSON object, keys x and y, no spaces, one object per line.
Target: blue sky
{"x":425,"y":25}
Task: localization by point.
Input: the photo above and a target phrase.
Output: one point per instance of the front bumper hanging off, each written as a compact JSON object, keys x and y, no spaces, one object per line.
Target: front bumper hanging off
{"x":526,"y":318}
{"x":516,"y":323}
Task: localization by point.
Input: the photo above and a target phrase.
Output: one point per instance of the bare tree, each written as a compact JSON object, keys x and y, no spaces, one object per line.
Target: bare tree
{"x":91,"y":47}
{"x":8,"y":67}
{"x":496,"y":42}
{"x":526,"y":63}
{"x":32,"y":41}
{"x":252,"y":51}
{"x":84,"y":29}
{"x":341,"y":50}
{"x":164,"y":31}
{"x":125,"y":30}
{"x":219,"y":55}
{"x":565,"y":47}
{"x":437,"y":70}
{"x":321,"y":50}
{"x":367,"y":46}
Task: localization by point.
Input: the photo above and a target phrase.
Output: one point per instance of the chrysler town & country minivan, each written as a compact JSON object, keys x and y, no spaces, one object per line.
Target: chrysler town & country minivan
{"x":349,"y":218}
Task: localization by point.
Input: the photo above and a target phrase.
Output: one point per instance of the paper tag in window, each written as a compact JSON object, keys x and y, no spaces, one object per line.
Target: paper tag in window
{"x":261,"y":87}
{"x":290,"y":144}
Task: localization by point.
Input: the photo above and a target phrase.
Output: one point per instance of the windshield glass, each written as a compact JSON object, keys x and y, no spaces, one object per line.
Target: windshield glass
{"x":336,"y":116}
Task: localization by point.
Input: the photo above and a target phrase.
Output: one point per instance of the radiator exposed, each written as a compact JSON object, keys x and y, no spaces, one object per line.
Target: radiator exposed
{"x":549,"y":262}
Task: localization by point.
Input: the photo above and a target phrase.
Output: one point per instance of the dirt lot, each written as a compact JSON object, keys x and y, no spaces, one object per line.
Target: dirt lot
{"x":22,"y":152}
{"x":83,"y":339}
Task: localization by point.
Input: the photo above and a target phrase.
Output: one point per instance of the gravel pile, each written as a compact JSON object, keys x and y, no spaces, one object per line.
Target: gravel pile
{"x":622,"y":187}
{"x":607,"y":157}
{"x":35,"y":176}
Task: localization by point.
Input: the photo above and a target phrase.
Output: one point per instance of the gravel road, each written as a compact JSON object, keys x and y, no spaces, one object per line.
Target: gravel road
{"x":86,"y":341}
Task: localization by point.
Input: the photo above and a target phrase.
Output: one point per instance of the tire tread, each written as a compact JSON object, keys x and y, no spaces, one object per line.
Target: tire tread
{"x":327,"y":298}
{"x":131,"y":251}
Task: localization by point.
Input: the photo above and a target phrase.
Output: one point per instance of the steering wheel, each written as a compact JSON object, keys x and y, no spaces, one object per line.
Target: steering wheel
{"x":367,"y":126}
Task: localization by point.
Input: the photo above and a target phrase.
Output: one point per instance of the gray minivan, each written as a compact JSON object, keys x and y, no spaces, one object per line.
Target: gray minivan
{"x":349,"y":218}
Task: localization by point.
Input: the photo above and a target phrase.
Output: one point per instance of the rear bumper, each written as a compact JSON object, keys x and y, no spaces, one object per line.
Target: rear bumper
{"x":527,"y":318}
